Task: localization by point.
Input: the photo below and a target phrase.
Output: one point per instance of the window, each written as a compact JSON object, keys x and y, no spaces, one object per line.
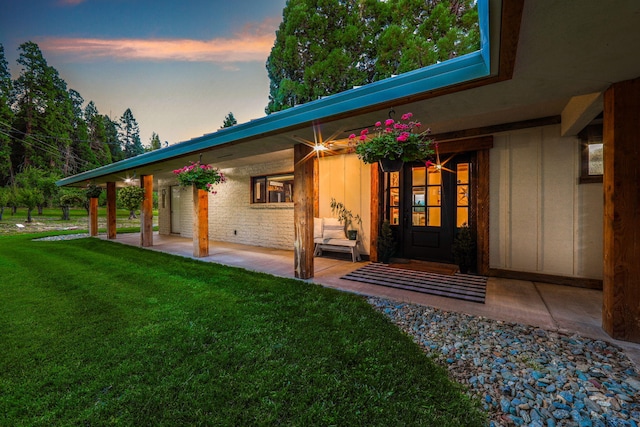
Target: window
{"x":394,"y":198}
{"x":462,"y":190}
{"x":272,"y":189}
{"x":592,"y":158}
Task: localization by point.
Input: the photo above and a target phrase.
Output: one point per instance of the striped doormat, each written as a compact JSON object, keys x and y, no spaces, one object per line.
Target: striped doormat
{"x":460,"y":286}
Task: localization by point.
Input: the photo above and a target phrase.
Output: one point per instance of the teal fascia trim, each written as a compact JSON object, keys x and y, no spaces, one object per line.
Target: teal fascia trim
{"x":454,"y":71}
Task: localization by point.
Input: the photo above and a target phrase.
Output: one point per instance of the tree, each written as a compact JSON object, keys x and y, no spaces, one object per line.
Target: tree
{"x":154,"y":142}
{"x":6,"y":118}
{"x":69,"y":197}
{"x":30,"y":198}
{"x":97,"y":135}
{"x":40,"y":181}
{"x":130,"y":198}
{"x":229,"y":121}
{"x":324,"y":47}
{"x":130,"y":135}
{"x":112,"y":139}
{"x":4,"y":200}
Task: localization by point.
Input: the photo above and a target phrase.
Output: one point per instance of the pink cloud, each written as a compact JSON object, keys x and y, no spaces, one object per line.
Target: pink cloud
{"x":253,"y":43}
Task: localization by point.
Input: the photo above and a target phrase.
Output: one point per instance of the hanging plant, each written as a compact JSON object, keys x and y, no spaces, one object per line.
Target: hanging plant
{"x":93,"y":191}
{"x":202,"y":176}
{"x":393,"y":140}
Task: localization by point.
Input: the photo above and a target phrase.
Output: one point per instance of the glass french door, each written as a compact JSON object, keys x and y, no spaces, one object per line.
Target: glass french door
{"x":425,"y":206}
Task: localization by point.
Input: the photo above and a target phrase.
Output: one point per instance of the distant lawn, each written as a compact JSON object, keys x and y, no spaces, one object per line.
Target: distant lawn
{"x":97,"y":333}
{"x":51,"y":219}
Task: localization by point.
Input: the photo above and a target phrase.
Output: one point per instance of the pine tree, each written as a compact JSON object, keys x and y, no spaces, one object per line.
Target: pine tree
{"x":97,"y":135}
{"x":327,"y":46}
{"x":112,"y":138}
{"x":154,"y":142}
{"x":130,"y":135}
{"x":6,"y":119}
{"x":229,"y":120}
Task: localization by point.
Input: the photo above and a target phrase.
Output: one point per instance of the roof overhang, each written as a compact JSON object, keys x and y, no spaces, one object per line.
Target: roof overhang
{"x":273,"y":133}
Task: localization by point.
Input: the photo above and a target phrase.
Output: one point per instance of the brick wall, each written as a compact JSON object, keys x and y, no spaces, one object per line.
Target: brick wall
{"x":232,"y":216}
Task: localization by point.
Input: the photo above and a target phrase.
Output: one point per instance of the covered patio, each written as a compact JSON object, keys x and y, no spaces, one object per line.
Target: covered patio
{"x":552,"y":307}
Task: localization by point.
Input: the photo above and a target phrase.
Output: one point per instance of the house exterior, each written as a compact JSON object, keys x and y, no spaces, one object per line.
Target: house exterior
{"x":521,"y":126}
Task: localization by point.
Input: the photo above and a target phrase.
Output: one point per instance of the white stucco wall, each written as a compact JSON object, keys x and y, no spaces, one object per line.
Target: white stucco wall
{"x":542,"y":220}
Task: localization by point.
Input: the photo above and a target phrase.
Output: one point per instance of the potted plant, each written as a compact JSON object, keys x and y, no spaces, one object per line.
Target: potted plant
{"x":93,"y":191}
{"x":393,"y":143}
{"x":346,"y":218}
{"x":463,"y":247}
{"x":386,"y":244}
{"x":202,"y":176}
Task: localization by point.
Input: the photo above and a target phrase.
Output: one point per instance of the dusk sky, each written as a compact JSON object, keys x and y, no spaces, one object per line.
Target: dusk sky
{"x":181,"y":66}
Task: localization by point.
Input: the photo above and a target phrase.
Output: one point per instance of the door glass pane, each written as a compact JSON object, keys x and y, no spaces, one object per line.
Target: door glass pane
{"x":462,"y":217}
{"x":434,"y":217}
{"x":418,"y":216}
{"x":463,"y":195}
{"x":463,"y":173}
{"x":394,"y":197}
{"x":418,"y":196}
{"x":418,"y":176}
{"x":434,"y":177}
{"x":434,"y":196}
{"x":394,"y":216}
{"x":394,"y":179}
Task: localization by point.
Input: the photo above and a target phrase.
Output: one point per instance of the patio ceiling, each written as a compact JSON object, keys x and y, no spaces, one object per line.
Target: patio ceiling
{"x":564,"y":49}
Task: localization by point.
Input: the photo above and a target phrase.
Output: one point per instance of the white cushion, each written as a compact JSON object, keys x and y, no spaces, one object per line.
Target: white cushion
{"x":332,"y":229}
{"x":317,"y":228}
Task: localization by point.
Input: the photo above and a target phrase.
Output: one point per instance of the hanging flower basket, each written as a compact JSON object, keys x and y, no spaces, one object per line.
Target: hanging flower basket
{"x":388,"y":165}
{"x":202,"y":176}
{"x":393,"y":143}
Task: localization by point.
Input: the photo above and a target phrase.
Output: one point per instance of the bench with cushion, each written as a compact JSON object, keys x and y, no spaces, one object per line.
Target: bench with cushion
{"x":328,"y":235}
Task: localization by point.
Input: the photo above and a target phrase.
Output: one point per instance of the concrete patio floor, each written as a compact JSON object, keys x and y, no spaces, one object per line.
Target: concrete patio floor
{"x":551,"y":307}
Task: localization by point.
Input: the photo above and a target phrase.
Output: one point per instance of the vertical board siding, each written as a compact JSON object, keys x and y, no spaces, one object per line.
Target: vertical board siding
{"x":541,"y":219}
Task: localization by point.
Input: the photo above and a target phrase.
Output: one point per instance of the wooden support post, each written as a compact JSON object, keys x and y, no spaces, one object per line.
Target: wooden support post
{"x":316,"y":187}
{"x":621,"y":187}
{"x":303,"y":201}
{"x":111,"y":210}
{"x":146,"y":212}
{"x":200,"y":222}
{"x":376,"y":219}
{"x":93,"y":216}
{"x":481,"y":179}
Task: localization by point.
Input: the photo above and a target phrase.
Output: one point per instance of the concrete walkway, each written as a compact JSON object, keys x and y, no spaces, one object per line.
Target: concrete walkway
{"x":551,"y":307}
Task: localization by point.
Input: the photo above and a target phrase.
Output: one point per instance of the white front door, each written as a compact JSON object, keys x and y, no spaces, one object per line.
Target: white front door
{"x":174,"y":204}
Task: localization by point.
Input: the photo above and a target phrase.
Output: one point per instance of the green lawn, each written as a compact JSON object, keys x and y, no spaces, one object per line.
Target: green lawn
{"x":51,"y":219}
{"x":97,"y":333}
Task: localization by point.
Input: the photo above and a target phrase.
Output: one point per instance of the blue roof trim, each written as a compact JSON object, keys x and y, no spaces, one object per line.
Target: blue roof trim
{"x":457,"y":70}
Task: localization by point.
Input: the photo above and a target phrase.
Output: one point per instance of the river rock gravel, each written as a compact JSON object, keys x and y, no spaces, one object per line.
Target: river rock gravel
{"x":526,"y":376}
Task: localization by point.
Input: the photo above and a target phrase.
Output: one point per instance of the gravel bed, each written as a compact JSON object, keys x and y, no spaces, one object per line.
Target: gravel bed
{"x":526,"y":376}
{"x":62,"y":237}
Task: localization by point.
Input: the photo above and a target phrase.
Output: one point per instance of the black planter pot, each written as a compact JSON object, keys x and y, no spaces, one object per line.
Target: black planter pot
{"x":352,"y":234}
{"x":388,"y":165}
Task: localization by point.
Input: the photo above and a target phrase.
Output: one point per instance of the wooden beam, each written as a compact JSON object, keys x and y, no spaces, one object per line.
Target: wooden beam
{"x":146,"y":212}
{"x":481,"y":178}
{"x":111,"y":210}
{"x":465,"y":145}
{"x":504,"y":127}
{"x":200,"y":223}
{"x":376,"y":219}
{"x":303,"y":201}
{"x":93,"y":216}
{"x":621,"y":186}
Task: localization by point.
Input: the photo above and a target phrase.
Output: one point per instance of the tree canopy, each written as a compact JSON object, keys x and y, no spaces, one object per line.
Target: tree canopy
{"x":324,"y":47}
{"x":229,"y":120}
{"x":50,"y":127}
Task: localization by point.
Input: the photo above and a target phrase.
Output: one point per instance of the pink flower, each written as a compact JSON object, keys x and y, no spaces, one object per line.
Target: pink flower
{"x":363,"y":137}
{"x":403,"y":136}
{"x":364,"y":132}
{"x":389,"y":122}
{"x":428,"y":163}
{"x":352,"y":136}
{"x":417,"y":124}
{"x":388,"y":130}
{"x":407,"y":116}
{"x":378,"y":124}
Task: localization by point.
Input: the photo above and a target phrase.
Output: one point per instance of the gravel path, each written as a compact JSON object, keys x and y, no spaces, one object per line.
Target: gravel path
{"x":526,"y":376}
